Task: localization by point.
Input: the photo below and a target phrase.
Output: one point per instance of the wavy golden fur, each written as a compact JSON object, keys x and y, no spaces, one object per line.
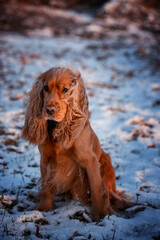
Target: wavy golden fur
{"x":72,"y":160}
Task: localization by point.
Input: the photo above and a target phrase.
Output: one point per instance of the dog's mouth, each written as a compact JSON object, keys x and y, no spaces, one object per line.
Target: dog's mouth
{"x":56,"y":118}
{"x":52,"y":124}
{"x":49,"y":118}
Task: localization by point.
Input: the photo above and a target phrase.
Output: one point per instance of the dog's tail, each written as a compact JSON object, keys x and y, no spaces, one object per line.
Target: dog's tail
{"x":119,"y":200}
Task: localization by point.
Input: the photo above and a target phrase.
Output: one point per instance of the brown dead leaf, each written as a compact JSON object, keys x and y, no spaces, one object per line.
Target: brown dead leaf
{"x":24,"y":60}
{"x":156,"y":87}
{"x":74,"y":235}
{"x":10,"y":141}
{"x":91,"y":94}
{"x":145,"y":189}
{"x":116,"y":109}
{"x":152,"y":145}
{"x":18,"y":97}
{"x":35,"y":56}
{"x":41,"y":221}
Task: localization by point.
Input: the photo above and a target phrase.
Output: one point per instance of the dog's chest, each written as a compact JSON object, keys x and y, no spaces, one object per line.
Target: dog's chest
{"x":66,"y":166}
{"x":64,"y":170}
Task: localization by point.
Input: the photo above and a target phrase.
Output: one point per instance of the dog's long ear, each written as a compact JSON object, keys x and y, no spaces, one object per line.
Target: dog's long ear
{"x":35,"y":128}
{"x":77,"y":114}
{"x":81,"y":97}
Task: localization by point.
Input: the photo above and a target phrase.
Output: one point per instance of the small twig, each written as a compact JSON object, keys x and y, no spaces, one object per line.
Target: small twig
{"x":38,"y":233}
{"x":114,"y":231}
{"x":17,"y":197}
{"x":3,"y":215}
{"x":102,"y":236}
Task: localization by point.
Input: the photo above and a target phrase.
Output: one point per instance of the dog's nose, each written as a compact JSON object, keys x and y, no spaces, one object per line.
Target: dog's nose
{"x":50,"y":109}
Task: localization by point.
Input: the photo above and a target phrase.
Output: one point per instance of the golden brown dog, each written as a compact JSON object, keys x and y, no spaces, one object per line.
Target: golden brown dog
{"x":72,"y":160}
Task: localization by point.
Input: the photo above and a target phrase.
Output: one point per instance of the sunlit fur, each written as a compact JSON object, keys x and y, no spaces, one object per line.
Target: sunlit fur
{"x":72,"y":160}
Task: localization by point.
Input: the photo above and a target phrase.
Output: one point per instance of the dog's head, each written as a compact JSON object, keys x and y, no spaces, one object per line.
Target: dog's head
{"x":59,"y":86}
{"x":57,"y":95}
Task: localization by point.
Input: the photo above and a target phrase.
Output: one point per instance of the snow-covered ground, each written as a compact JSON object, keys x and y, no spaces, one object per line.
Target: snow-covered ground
{"x":123,"y":84}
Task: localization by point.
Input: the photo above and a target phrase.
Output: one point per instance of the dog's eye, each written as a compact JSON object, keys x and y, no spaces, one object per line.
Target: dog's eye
{"x":46,"y":88}
{"x":65,"y":90}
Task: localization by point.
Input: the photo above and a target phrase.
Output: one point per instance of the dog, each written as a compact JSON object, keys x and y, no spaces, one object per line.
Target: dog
{"x":72,"y":160}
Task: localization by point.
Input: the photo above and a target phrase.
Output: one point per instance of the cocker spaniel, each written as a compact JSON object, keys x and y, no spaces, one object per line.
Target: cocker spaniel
{"x":72,"y":160}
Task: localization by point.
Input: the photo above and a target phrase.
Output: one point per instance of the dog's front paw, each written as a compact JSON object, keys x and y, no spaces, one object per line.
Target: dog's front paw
{"x":46,"y":202}
{"x":100,"y":213}
{"x":44,"y":206}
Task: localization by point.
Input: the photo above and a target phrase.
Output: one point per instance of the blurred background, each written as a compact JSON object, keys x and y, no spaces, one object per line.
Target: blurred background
{"x":86,"y":19}
{"x":116,"y":46}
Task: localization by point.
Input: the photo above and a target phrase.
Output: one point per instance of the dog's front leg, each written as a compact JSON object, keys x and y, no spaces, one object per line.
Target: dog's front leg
{"x":46,"y":195}
{"x":99,"y":194}
{"x":88,"y":153}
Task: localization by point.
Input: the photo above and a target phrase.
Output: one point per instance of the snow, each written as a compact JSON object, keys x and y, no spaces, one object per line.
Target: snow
{"x":124,"y":117}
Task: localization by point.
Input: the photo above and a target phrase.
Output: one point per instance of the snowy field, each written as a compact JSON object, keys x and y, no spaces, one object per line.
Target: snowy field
{"x":123,"y":85}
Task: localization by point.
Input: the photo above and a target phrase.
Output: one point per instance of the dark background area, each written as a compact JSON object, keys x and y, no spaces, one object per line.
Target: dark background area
{"x":23,"y":15}
{"x":116,"y":46}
